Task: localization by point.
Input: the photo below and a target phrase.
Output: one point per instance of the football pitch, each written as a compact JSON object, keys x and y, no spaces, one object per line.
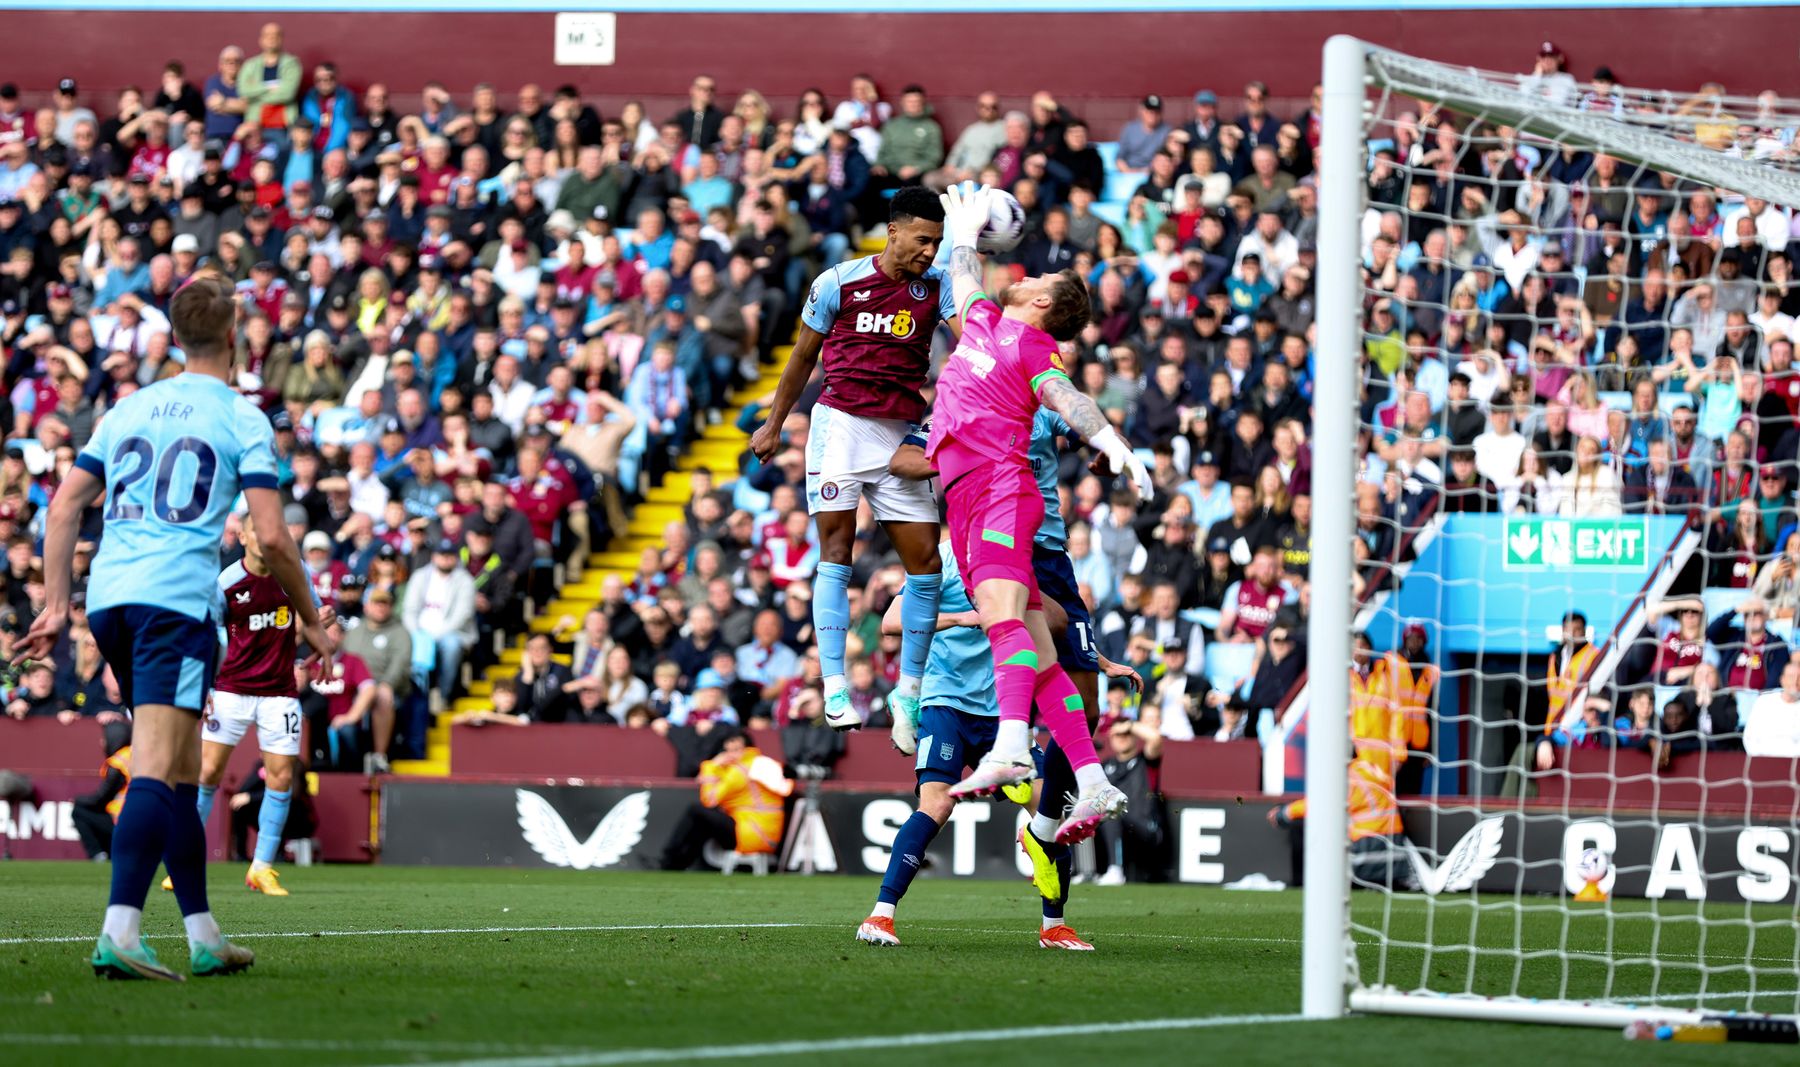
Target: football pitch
{"x":513,"y":968}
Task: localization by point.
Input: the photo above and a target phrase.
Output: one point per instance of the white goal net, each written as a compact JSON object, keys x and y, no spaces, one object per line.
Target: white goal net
{"x":1558,"y":319}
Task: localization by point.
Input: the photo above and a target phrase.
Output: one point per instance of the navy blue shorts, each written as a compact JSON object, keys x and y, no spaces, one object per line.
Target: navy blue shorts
{"x":158,"y":656}
{"x":952,"y":741}
{"x":1056,"y":581}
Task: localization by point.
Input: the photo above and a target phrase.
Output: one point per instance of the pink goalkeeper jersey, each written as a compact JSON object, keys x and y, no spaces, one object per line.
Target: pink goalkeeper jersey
{"x":987,"y":393}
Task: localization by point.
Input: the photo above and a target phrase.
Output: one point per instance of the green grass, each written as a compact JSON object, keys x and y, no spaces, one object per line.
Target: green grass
{"x":969,"y":962}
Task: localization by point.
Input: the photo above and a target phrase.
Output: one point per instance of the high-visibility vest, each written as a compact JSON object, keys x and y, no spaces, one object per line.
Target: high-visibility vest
{"x":119,"y":761}
{"x":1411,"y":696}
{"x":1373,"y":810}
{"x":1368,"y":705}
{"x":1566,"y":681}
{"x":753,"y":793}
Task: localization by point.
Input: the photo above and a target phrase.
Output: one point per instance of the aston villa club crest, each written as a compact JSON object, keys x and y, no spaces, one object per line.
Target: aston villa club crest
{"x":828,"y":491}
{"x":212,"y":723}
{"x":917,"y":289}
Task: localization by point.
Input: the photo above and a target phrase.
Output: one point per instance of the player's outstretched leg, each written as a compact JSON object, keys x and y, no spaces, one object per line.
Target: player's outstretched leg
{"x":915,"y":836}
{"x":1060,"y":708}
{"x":1015,"y":674}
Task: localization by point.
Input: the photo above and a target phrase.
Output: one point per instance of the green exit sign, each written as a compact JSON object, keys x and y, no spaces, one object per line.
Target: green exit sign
{"x":1536,"y":543}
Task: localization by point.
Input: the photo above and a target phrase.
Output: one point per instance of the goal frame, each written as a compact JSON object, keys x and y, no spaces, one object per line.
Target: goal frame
{"x":1330,"y":986}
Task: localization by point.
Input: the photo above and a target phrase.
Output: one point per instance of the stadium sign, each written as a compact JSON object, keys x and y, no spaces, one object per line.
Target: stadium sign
{"x":1534,"y":543}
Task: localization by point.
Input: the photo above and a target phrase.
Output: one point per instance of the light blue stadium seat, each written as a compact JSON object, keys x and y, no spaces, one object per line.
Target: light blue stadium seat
{"x":1109,"y":152}
{"x":1119,"y":187}
{"x":1228,"y":664}
{"x":1110,"y":213}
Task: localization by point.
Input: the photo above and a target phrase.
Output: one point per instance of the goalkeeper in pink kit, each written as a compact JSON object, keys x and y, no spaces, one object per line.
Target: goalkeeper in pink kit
{"x":1006,"y":365}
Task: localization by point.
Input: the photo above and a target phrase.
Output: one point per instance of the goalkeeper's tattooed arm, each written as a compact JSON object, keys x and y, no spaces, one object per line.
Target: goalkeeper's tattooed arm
{"x":1083,"y":416}
{"x":965,"y":278}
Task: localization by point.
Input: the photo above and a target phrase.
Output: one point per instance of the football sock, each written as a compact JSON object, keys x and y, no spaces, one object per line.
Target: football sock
{"x":1015,"y":676}
{"x":915,"y":837}
{"x":1053,"y":801}
{"x":1089,"y":777}
{"x":269,"y":824}
{"x":139,"y":841}
{"x":121,"y":924}
{"x":883,"y":909}
{"x":205,"y":803}
{"x":202,"y":929}
{"x":918,"y":621}
{"x":831,"y":616}
{"x":1061,"y":710}
{"x":185,"y":852}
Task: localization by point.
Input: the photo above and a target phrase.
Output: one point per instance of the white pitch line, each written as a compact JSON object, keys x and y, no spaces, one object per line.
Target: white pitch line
{"x":430,"y":932}
{"x":869,"y":1044}
{"x":272,"y":1044}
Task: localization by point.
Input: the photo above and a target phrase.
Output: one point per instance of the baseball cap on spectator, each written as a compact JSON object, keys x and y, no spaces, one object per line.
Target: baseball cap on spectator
{"x":560,"y":221}
{"x":432,"y":263}
{"x":1174,"y":644}
{"x":1548,"y":48}
{"x":402,"y":356}
{"x":676,"y":304}
{"x":1153,"y":102}
{"x":601,"y":214}
{"x":281,"y":422}
{"x":137,"y":177}
{"x":375,"y":216}
{"x":213,"y":150}
{"x":1205,"y":458}
{"x":709,"y":679}
{"x":8,"y":91}
{"x":67,"y":87}
{"x":388,"y":552}
{"x":294,"y":300}
{"x":445,"y":547}
{"x":1218,"y":544}
{"x":59,"y":291}
{"x":316,"y":541}
{"x":1206,"y":96}
{"x":351,"y":581}
{"x":1179,"y":277}
{"x":1151,"y":311}
{"x":322,"y":212}
{"x":10,"y":308}
{"x":338,"y":302}
{"x":477,"y":525}
{"x":263,"y":266}
{"x":185,"y":242}
{"x":260,"y":213}
{"x":439,"y":211}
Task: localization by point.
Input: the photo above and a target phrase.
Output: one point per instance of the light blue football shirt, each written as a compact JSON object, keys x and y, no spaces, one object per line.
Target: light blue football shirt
{"x":174,"y":457}
{"x":1046,"y":427}
{"x":959,"y":673}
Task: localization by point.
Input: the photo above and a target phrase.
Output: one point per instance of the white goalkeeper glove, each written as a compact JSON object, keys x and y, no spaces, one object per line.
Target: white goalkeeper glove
{"x":965,"y":213}
{"x":1122,"y":460}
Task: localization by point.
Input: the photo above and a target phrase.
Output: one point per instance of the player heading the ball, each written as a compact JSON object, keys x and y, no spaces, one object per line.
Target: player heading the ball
{"x":872,"y":319}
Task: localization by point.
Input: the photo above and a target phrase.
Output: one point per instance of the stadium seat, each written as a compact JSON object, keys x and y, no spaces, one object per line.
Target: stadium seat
{"x":1228,"y":664}
{"x":1113,"y":214}
{"x":1109,"y":152}
{"x":1119,"y":187}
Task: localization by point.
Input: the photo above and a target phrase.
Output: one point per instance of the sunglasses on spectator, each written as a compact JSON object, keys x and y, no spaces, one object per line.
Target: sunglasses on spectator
{"x":1281,"y":639}
{"x":1753,"y":613}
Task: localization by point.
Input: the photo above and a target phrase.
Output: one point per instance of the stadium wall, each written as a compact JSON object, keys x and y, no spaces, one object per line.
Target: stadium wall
{"x":1174,"y":49}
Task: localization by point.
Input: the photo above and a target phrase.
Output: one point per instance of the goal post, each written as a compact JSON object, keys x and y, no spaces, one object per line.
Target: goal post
{"x":1619,"y":884}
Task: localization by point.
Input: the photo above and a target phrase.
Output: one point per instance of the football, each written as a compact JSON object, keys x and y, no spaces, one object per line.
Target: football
{"x":1005,"y":225}
{"x":1593,"y":865}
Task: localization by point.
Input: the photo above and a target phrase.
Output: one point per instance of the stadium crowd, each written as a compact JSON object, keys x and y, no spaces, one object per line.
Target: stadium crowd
{"x":483,"y":330}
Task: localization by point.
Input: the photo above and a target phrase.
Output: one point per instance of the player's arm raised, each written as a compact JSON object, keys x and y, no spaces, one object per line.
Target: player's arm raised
{"x":283,"y":559}
{"x":964,"y":215}
{"x":1058,"y":393}
{"x":77,"y":493}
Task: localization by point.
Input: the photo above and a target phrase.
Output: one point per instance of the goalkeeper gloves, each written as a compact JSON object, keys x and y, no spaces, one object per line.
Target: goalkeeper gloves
{"x":1122,"y":460}
{"x":965,"y":213}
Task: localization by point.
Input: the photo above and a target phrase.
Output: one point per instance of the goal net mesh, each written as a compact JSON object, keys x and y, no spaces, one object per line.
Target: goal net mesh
{"x":1577,"y":398}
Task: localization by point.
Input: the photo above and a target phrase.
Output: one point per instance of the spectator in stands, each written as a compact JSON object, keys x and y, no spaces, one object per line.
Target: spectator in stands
{"x":1130,"y":845}
{"x":440,"y":616}
{"x":385,"y":648}
{"x":1773,"y":727}
{"x":1658,"y":486}
{"x":1750,"y":657}
{"x":544,"y":684}
{"x":1680,"y":652}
